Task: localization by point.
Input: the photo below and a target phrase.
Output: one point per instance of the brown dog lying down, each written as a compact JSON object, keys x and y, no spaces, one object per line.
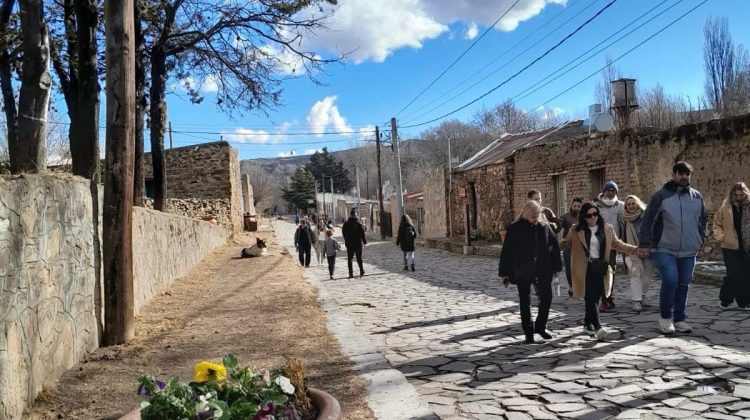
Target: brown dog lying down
{"x":257,"y":250}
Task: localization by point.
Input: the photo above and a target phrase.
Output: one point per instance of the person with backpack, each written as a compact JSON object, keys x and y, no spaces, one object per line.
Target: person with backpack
{"x":531,"y":255}
{"x":354,"y":239}
{"x":407,"y":235}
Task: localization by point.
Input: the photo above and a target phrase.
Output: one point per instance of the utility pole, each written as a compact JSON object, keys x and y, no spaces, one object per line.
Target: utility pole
{"x":380,"y":183}
{"x":323,"y":187}
{"x":367,"y":184}
{"x":399,"y":187}
{"x":450,"y":188}
{"x":359,"y":195}
{"x":170,"y":134}
{"x":119,"y":307}
{"x":333,"y":203}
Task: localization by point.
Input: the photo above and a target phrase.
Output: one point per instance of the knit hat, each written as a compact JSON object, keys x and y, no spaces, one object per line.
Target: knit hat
{"x":610,"y":185}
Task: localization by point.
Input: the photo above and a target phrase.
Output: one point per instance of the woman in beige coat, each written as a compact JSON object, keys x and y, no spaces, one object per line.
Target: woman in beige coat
{"x":728,"y":232}
{"x":591,"y":242}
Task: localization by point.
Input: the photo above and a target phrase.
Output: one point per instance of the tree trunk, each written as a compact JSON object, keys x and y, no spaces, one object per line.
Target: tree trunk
{"x":118,"y":193}
{"x":6,"y":77}
{"x":158,"y":114}
{"x":139,"y":186}
{"x":29,"y":154}
{"x":84,"y":140}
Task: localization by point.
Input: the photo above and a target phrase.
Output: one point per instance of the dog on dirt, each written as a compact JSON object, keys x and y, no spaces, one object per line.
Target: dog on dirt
{"x":257,"y":250}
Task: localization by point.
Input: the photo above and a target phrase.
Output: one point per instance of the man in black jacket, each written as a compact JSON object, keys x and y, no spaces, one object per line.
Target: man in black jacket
{"x":354,"y":239}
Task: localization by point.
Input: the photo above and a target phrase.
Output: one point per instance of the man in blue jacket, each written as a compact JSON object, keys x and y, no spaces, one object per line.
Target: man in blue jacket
{"x":674,"y":227}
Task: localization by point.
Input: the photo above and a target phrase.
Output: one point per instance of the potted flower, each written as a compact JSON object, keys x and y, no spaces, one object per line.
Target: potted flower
{"x":227,"y":391}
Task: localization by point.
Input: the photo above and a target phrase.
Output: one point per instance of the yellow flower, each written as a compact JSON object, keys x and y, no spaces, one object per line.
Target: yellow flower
{"x":207,"y":371}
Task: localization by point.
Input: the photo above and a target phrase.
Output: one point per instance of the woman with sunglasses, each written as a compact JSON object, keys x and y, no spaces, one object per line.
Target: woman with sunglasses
{"x":590,"y":244}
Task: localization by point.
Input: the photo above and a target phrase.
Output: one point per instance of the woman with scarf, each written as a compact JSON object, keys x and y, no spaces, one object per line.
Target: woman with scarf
{"x":591,"y":243}
{"x":531,"y":255}
{"x":732,"y":231}
{"x":640,"y":270}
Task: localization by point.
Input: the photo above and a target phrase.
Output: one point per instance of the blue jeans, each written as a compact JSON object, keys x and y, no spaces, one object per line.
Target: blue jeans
{"x":566,"y":260}
{"x":675,"y":274}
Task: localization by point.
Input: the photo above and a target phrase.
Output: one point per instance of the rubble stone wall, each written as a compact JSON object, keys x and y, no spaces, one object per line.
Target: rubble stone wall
{"x":494,"y":199}
{"x":435,"y":199}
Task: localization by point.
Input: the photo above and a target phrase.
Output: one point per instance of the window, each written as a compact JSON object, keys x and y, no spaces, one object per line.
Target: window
{"x":596,"y":181}
{"x":559,"y":193}
{"x":473,"y":198}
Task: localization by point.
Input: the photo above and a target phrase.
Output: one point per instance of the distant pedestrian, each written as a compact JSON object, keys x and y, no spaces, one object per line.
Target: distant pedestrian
{"x":330,"y":247}
{"x":531,"y":255}
{"x":591,"y":242}
{"x":407,"y":235}
{"x":296,"y":218}
{"x":320,"y":233}
{"x":610,"y":210}
{"x":567,"y":221}
{"x":640,"y":270}
{"x":732,"y":231}
{"x":674,"y":228}
{"x":354,"y":239}
{"x":304,"y":239}
{"x":548,"y":215}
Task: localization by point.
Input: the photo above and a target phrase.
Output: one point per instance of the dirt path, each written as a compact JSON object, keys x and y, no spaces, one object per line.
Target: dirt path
{"x":260,"y":309}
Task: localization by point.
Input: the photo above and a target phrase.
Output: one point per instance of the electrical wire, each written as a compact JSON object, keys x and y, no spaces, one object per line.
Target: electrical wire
{"x":624,"y":54}
{"x":495,"y":60}
{"x":458,"y":58}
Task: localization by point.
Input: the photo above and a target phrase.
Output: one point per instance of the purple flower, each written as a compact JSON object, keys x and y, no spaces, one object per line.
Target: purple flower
{"x":266,"y":412}
{"x":144,"y":392}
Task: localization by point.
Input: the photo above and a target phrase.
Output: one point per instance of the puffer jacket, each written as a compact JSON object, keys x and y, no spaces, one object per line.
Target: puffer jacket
{"x":675,"y":221}
{"x":724,"y":231}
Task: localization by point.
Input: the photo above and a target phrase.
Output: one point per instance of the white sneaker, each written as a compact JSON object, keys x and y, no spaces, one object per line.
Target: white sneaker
{"x":601,"y":333}
{"x":683,"y":327}
{"x":666,"y":326}
{"x":637,"y":307}
{"x":644,"y":302}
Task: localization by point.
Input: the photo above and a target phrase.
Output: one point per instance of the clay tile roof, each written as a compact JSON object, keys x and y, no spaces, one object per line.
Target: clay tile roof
{"x":508,"y":144}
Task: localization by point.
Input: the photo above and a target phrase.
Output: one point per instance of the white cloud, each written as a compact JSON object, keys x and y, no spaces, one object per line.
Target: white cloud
{"x":247,"y":135}
{"x":325,"y":113}
{"x":373,"y":30}
{"x":472,"y":31}
{"x":210,"y":84}
{"x":284,"y":61}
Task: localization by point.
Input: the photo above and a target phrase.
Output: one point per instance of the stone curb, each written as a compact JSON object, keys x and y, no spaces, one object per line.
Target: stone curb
{"x":389,"y":394}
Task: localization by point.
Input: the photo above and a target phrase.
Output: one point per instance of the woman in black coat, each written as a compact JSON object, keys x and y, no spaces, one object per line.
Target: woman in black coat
{"x":531,"y":255}
{"x":407,"y":234}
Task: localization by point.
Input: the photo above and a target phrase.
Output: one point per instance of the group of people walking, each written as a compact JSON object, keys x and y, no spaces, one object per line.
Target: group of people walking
{"x":321,"y":238}
{"x":665,"y":234}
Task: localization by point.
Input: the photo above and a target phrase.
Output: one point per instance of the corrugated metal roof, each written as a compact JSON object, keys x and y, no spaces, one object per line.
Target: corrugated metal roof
{"x":508,"y":144}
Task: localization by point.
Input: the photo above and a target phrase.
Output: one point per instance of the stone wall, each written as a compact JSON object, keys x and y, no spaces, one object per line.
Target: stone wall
{"x":494,"y":199}
{"x":719,"y":151}
{"x":205,"y":171}
{"x":435,"y":204}
{"x":47,"y":283}
{"x":168,"y":247}
{"x":48,"y":276}
{"x":217,"y":210}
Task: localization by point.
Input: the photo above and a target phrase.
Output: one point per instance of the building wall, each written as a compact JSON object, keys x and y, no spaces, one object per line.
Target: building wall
{"x":435,"y":204}
{"x":494,"y":198}
{"x":48,"y":276}
{"x":208,"y":171}
{"x":719,"y":151}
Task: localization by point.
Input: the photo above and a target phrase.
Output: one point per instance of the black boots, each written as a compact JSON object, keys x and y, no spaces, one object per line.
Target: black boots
{"x":406,"y":268}
{"x":529,"y":338}
{"x":528,"y":330}
{"x":412,"y":267}
{"x":545,"y":333}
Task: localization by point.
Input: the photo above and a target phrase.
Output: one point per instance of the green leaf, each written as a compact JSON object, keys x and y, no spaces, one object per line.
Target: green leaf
{"x":230,"y":362}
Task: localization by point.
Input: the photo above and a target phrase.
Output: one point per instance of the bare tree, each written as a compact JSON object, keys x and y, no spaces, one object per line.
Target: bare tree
{"x":504,"y":118}
{"x":265,"y":190}
{"x":718,"y":60}
{"x":9,"y":63}
{"x":660,"y":110}
{"x":242,"y":48}
{"x":603,"y":88}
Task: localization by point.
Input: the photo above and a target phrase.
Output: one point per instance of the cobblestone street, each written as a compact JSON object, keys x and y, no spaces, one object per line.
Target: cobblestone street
{"x":454,"y":331}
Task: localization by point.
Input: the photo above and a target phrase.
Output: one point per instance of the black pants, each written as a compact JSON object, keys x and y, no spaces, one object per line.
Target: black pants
{"x":304,"y":254}
{"x":351,"y":251}
{"x":613,"y":264}
{"x":331,"y":263}
{"x":594,"y":292}
{"x":545,"y":301}
{"x":736,"y":284}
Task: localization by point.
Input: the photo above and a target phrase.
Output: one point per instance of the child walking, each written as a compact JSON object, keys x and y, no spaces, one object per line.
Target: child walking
{"x":406,"y":237}
{"x":331,"y":246}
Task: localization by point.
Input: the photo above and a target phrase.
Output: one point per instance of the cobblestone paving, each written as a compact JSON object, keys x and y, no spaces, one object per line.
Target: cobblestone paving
{"x":454,"y":331}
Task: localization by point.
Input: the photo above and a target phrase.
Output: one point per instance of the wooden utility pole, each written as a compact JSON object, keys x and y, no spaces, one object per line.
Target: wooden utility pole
{"x":380,"y":183}
{"x":399,"y":187}
{"x":170,"y":134}
{"x":119,"y":308}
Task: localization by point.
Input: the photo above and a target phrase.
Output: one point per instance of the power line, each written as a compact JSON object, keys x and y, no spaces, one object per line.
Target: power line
{"x":523,"y":94}
{"x":493,"y":61}
{"x":458,"y":58}
{"x":589,"y":20}
{"x":624,"y":54}
{"x":319,"y":133}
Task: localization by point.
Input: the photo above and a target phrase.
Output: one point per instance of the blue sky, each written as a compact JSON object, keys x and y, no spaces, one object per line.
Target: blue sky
{"x":399,"y":46}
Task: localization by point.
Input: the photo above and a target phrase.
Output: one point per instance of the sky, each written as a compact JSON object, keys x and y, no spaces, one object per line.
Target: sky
{"x":396,"y":48}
